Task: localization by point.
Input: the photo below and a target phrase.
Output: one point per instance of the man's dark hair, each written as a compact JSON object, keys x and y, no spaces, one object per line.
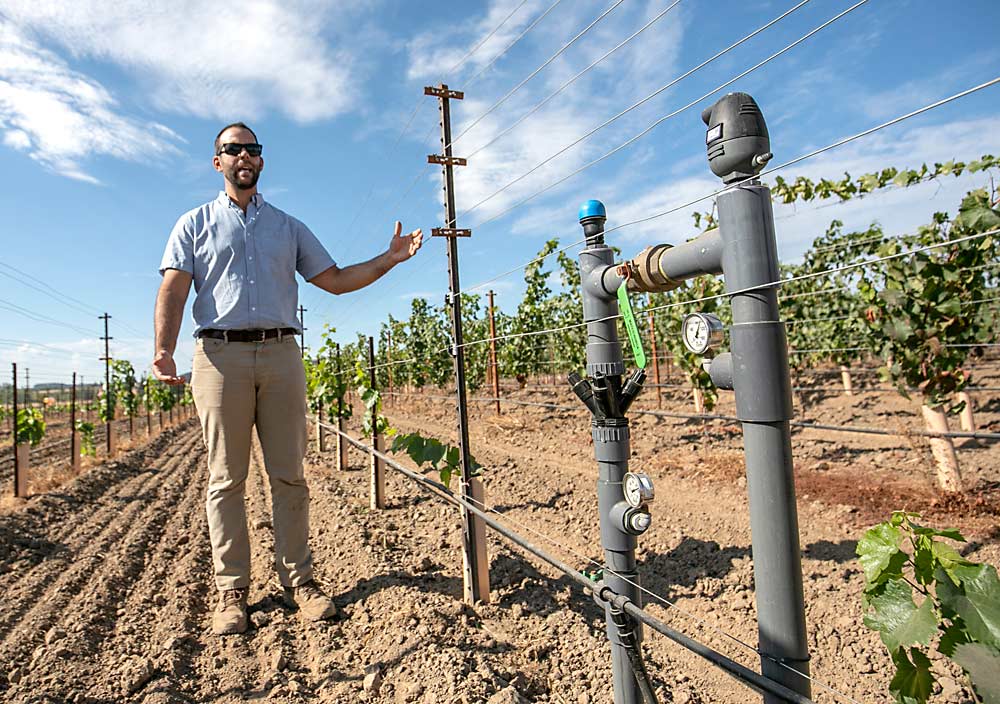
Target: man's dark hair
{"x":230,"y":125}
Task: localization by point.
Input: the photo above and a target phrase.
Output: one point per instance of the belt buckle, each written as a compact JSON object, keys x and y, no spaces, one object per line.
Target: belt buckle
{"x":263,"y":336}
{"x":225,"y":336}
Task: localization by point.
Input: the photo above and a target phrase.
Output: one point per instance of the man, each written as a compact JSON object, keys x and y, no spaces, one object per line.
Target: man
{"x":242,"y":254}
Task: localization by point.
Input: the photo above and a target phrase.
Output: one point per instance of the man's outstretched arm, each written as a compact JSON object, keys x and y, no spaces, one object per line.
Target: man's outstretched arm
{"x":167,"y":318}
{"x":351,"y":278}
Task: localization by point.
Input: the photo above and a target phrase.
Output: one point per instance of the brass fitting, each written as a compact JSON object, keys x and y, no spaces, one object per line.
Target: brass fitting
{"x":644,"y":272}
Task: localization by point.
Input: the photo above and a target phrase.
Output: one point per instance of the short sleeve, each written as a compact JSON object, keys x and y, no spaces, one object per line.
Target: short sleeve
{"x":311,"y":258}
{"x":179,"y":253}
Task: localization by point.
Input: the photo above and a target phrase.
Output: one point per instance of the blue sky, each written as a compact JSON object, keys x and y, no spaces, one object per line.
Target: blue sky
{"x":108,"y":111}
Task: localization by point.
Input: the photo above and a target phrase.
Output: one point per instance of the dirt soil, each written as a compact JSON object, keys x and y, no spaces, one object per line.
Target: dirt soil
{"x":109,"y":591}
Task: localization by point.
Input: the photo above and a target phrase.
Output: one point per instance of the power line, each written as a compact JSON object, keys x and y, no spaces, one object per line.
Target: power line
{"x":565,"y":85}
{"x":796,"y":160}
{"x":534,"y":73}
{"x":657,"y":122}
{"x":20,"y":310}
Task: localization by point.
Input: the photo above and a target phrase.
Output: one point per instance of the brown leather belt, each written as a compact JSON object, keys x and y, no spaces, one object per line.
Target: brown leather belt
{"x":247,"y":335}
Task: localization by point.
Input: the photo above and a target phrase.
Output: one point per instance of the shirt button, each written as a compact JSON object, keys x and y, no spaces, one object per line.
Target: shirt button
{"x":251,"y":280}
{"x":251,"y":258}
{"x":253,"y":307}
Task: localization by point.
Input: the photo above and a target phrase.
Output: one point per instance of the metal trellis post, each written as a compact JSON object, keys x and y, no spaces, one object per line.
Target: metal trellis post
{"x":302,"y":335}
{"x":109,"y":409}
{"x":476,"y":562}
{"x":74,"y":439}
{"x":13,"y":443}
{"x":656,"y":361}
{"x":377,"y":490}
{"x":341,"y":445}
{"x":494,"y":371}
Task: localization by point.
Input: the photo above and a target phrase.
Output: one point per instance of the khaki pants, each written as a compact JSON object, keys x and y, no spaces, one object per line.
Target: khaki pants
{"x":236,"y":386}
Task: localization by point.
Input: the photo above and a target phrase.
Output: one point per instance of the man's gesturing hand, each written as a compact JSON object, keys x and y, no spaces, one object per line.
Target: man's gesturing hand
{"x":402,"y":246}
{"x":165,"y":369}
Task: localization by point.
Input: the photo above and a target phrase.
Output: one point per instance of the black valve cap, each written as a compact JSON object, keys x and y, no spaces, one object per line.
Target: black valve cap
{"x":737,"y":141}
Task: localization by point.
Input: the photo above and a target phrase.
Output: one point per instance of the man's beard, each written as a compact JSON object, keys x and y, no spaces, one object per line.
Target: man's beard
{"x":233,"y":178}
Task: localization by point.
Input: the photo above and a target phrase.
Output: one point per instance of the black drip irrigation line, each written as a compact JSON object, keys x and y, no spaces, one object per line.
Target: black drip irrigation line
{"x":751,"y":678}
{"x":809,"y":425}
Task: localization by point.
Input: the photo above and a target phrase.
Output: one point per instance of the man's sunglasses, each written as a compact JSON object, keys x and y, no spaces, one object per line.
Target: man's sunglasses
{"x":234,"y":149}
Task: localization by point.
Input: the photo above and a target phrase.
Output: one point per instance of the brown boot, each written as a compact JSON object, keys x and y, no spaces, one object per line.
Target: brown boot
{"x":312,"y":603}
{"x":230,"y":613}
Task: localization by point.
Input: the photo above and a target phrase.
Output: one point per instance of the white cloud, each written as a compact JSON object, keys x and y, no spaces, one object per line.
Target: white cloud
{"x":59,"y":116}
{"x":198,"y":58}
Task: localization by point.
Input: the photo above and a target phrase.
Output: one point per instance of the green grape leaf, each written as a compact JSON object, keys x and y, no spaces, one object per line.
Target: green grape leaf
{"x":976,"y":600}
{"x":983,"y":665}
{"x":913,"y":681}
{"x":876,"y":550}
{"x":898,"y":620}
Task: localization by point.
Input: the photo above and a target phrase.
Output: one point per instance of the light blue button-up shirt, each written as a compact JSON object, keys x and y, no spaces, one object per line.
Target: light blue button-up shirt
{"x":244,"y":265}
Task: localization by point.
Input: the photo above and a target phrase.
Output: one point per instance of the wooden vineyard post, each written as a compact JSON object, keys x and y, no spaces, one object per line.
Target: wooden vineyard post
{"x":475,"y":561}
{"x":74,"y":439}
{"x":341,"y":445}
{"x":18,"y":470}
{"x":845,"y":378}
{"x":494,"y":372}
{"x":943,"y":449}
{"x":376,"y":498}
{"x":656,"y":361}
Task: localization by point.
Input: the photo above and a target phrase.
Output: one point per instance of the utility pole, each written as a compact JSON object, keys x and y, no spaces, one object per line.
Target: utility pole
{"x":494,"y":372}
{"x":302,"y":322}
{"x":27,"y":388}
{"x":476,"y":563}
{"x":109,"y":409}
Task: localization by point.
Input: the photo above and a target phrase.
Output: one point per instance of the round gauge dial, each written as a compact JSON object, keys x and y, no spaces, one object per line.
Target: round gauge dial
{"x":701,"y":332}
{"x":638,"y":489}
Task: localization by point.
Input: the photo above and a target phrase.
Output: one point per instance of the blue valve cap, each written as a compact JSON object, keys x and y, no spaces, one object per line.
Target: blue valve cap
{"x":592,"y":209}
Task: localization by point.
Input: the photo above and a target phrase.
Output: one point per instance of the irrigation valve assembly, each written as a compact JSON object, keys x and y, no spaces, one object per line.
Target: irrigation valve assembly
{"x":743,"y":250}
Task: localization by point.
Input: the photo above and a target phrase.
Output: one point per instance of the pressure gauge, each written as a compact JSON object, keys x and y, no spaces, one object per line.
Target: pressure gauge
{"x":638,"y":488}
{"x":701,"y":332}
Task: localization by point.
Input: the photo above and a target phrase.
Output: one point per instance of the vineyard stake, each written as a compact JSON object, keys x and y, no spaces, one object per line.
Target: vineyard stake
{"x":17,"y":463}
{"x":341,"y":446}
{"x":494,"y":372}
{"x":377,"y":473}
{"x":656,"y":362}
{"x":475,"y":562}
{"x":109,"y":442}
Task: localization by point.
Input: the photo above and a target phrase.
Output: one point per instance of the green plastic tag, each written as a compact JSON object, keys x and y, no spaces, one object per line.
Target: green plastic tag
{"x":625,"y":306}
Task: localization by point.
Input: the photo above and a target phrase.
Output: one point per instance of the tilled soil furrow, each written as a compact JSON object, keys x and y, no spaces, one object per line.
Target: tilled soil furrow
{"x":50,"y":528}
{"x":165,"y":608}
{"x":103,"y":513}
{"x":118,"y":532}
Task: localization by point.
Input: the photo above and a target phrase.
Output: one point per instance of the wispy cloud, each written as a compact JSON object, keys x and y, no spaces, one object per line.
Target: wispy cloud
{"x":197,"y":59}
{"x":59,"y":117}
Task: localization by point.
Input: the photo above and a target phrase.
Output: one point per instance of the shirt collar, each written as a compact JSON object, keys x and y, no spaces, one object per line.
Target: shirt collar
{"x":257,"y":199}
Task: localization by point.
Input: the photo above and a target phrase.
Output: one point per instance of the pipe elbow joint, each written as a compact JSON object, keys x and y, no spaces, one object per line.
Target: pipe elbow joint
{"x":604,"y":281}
{"x":629,"y":519}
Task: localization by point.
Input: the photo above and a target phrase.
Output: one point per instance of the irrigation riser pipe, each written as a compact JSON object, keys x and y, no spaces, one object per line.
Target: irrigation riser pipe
{"x":600,"y":591}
